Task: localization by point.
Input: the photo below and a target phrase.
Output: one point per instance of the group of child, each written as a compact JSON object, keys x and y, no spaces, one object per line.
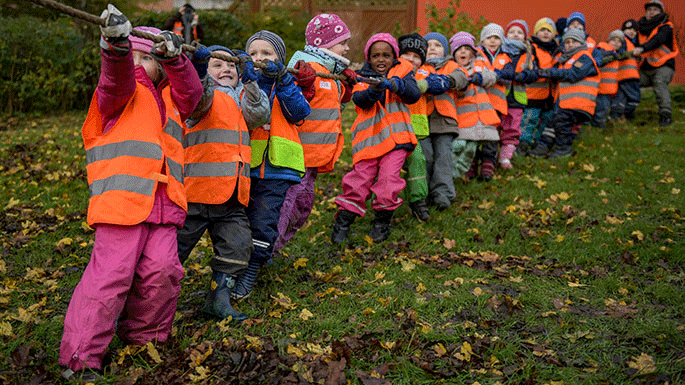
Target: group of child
{"x":232,"y":144}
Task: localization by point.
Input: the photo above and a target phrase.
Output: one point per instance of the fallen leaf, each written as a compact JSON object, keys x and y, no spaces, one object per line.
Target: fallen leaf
{"x":301,"y":262}
{"x":643,"y":363}
{"x":305,"y":315}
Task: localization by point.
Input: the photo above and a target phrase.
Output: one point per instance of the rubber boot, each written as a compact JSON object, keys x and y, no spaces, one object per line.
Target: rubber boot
{"x":246,"y":281}
{"x":218,"y":302}
{"x":341,"y":227}
{"x":380,"y":227}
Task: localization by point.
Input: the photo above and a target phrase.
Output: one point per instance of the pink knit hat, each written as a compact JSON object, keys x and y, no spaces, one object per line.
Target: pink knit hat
{"x":386,"y":37}
{"x":140,"y":44}
{"x":462,"y":38}
{"x":518,"y":23}
{"x":326,"y":30}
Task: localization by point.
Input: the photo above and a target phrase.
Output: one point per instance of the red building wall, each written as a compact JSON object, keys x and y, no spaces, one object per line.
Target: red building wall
{"x":602,"y":16}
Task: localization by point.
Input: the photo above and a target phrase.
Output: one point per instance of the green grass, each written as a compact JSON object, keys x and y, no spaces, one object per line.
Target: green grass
{"x":558,"y":271}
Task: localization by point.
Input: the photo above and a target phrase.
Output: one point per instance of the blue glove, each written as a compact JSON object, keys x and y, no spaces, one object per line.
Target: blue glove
{"x":248,"y":73}
{"x":396,"y":85}
{"x":506,"y":73}
{"x":383,"y":85}
{"x":274,"y":70}
{"x":477,"y":79}
{"x":526,"y":76}
{"x":200,"y":59}
{"x":544,"y":72}
{"x":438,"y":84}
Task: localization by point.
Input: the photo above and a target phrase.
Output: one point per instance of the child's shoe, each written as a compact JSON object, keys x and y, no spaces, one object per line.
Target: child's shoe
{"x":473,"y":171}
{"x":380,"y":227}
{"x":218,"y":301}
{"x":541,"y":149}
{"x":246,"y":281}
{"x":505,"y":155}
{"x":522,"y":149}
{"x":561,"y":151}
{"x":341,"y":227}
{"x":83,"y":376}
{"x":487,"y":171}
{"x":420,"y":210}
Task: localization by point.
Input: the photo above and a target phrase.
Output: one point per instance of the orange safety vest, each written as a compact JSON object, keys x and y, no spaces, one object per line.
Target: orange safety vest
{"x":379,"y":129}
{"x":519,"y":89}
{"x":321,"y":133}
{"x":659,"y":56}
{"x":582,"y":94}
{"x":540,"y":90}
{"x":627,"y":68}
{"x":591,"y":43}
{"x":608,"y":75}
{"x":217,"y":154}
{"x":498,"y":92}
{"x":125,"y":164}
{"x":280,"y":142}
{"x":444,"y":102}
{"x":475,"y":105}
{"x":178,"y":29}
{"x":419,"y":110}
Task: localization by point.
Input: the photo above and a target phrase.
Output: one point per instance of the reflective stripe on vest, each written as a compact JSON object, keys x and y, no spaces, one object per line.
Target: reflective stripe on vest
{"x":498,"y":92}
{"x":540,"y":90}
{"x":608,"y":75}
{"x":580,"y":95}
{"x":444,"y":102}
{"x":627,"y":68}
{"x":659,"y":56}
{"x":475,"y":105}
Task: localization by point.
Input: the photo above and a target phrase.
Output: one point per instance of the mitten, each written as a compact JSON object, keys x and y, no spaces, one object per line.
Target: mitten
{"x":274,"y":70}
{"x":247,"y":71}
{"x":477,"y":79}
{"x":506,"y":73}
{"x":351,"y":76}
{"x":489,"y":78}
{"x":544,"y":72}
{"x":168,"y":49}
{"x":438,"y":84}
{"x":116,"y":30}
{"x":306,"y":76}
{"x":460,"y":80}
{"x":200,"y":59}
{"x":347,"y":93}
{"x":526,"y":76}
{"x":382,"y":85}
{"x":396,"y":85}
{"x":423,"y":85}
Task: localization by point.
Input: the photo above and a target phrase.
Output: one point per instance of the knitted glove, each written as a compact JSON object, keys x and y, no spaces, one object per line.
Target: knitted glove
{"x":351,"y":76}
{"x":423,"y":85}
{"x":460,"y":80}
{"x":544,"y":72}
{"x":248,"y":73}
{"x":116,"y":30}
{"x":200,"y":59}
{"x":438,"y":84}
{"x":506,"y":73}
{"x":489,"y":78}
{"x":526,"y":76}
{"x":170,"y":48}
{"x":306,"y":77}
{"x":396,"y":85}
{"x":477,"y":79}
{"x":274,"y":70}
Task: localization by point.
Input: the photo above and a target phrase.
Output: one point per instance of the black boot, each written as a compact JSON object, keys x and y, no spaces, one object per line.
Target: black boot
{"x":219,"y":298}
{"x":420,"y":210}
{"x":380,"y":228}
{"x":341,"y":227}
{"x":665,"y":119}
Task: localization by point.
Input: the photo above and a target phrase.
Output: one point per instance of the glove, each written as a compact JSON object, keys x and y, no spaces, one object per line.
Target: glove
{"x":637,"y":51}
{"x":247,"y":71}
{"x":526,"y":76}
{"x":168,"y":49}
{"x":438,"y":84}
{"x":544,"y":72}
{"x":274,"y":70}
{"x":347,"y":93}
{"x":489,"y":78}
{"x":351,"y":77}
{"x":477,"y":79}
{"x":506,"y":73}
{"x":305,"y":79}
{"x":116,"y":31}
{"x":396,"y":85}
{"x":200,"y":59}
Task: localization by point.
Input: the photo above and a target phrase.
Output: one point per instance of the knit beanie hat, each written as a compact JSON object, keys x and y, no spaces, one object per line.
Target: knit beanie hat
{"x":460,"y":39}
{"x":492,"y":29}
{"x":415,"y":43}
{"x":326,"y":30}
{"x":655,"y":2}
{"x":440,"y":38}
{"x":141,"y":44}
{"x":576,"y":16}
{"x":385,"y":37}
{"x":213,"y":48}
{"x":271,"y":38}
{"x":561,"y":25}
{"x":518,"y":23}
{"x":616,"y":34}
{"x":575,"y":34}
{"x":630,"y":23}
{"x":545,"y":22}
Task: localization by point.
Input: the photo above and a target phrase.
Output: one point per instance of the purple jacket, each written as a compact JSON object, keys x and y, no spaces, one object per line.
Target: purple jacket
{"x":116,"y":86}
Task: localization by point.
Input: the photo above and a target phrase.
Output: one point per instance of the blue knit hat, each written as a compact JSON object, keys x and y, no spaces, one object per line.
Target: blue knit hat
{"x":273,"y":39}
{"x":213,"y":48}
{"x":441,"y":39}
{"x":576,"y":16}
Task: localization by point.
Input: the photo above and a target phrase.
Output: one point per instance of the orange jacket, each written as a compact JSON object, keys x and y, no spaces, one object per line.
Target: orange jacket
{"x":540,"y":90}
{"x":580,"y":95}
{"x":475,"y":105}
{"x":125,"y":164}
{"x":498,"y":92}
{"x":444,"y":102}
{"x":217,"y":154}
{"x":178,"y":29}
{"x":379,"y":129}
{"x":659,"y":56}
{"x":321,"y":133}
{"x":627,"y":68}
{"x":608,"y":75}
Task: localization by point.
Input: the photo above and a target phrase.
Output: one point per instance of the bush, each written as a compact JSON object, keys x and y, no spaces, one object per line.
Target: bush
{"x":448,"y":21}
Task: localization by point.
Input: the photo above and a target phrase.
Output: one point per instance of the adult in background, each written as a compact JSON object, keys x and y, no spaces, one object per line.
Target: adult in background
{"x":658,"y":49}
{"x":186,"y":23}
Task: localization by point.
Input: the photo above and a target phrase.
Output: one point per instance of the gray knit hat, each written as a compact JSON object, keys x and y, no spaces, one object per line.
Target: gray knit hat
{"x":273,"y":39}
{"x":656,"y":3}
{"x":576,"y":34}
{"x":616,"y":34}
{"x":492,"y":29}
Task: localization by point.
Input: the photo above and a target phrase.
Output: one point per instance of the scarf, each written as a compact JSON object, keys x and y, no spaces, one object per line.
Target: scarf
{"x":513,"y":47}
{"x":569,"y":54}
{"x":438,"y":62}
{"x":647,"y":26}
{"x":333,"y":62}
{"x":551,"y":47}
{"x":490,"y":55}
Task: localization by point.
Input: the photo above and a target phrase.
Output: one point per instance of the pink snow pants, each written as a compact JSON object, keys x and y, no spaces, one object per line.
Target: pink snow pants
{"x":511,"y":127}
{"x":134,"y":274}
{"x":380,"y":176}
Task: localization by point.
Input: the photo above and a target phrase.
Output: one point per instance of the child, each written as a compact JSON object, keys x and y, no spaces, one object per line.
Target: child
{"x":277,"y":156}
{"x":477,"y":117}
{"x":217,"y":155}
{"x":134,"y":150}
{"x":382,"y":138}
{"x":517,"y":99}
{"x":577,"y":20}
{"x":321,"y":133}
{"x":608,"y":77}
{"x":577,"y":74}
{"x":442,"y":121}
{"x":628,"y":97}
{"x":537,"y":113}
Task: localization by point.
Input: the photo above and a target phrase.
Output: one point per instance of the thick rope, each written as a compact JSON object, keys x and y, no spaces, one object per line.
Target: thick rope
{"x":79,"y":14}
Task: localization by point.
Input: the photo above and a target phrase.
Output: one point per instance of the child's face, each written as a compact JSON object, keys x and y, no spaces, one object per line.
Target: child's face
{"x":615,"y":43}
{"x":630,"y":32}
{"x":464,"y":55}
{"x":492,"y":43}
{"x":570,"y":44}
{"x":545,"y":35}
{"x":341,"y":48}
{"x":225,"y":73}
{"x":381,"y":57}
{"x":413,"y":58}
{"x":576,"y":24}
{"x":151,"y":66}
{"x":516,"y":33}
{"x":652,"y":11}
{"x":435,"y":49}
{"x":261,"y":51}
